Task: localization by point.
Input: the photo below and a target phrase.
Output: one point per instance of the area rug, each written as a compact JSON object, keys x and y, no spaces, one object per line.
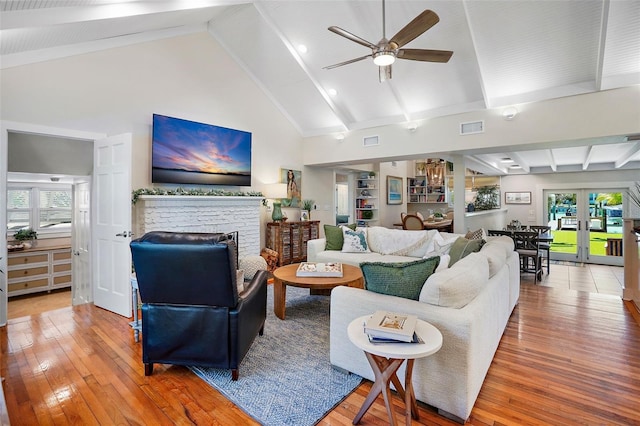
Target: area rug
{"x":286,"y":378}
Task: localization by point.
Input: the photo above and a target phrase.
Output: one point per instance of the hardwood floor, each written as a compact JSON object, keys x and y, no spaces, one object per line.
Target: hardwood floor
{"x":566,"y":357}
{"x":37,"y":303}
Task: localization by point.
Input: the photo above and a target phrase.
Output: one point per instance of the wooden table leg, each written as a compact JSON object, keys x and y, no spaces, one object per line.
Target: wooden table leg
{"x":384,"y":371}
{"x":279,"y":297}
{"x":409,"y":396}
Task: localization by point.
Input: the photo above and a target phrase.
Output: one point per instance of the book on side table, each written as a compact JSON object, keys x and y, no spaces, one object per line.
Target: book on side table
{"x":312,"y":269}
{"x":391,"y":326}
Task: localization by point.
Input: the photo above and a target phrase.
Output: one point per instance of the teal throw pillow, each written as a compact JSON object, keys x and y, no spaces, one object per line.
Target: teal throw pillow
{"x":398,"y":279}
{"x":333,"y":236}
{"x":462,"y":247}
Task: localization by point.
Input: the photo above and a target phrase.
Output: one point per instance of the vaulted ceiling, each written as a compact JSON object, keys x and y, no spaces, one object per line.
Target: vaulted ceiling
{"x":505,"y":53}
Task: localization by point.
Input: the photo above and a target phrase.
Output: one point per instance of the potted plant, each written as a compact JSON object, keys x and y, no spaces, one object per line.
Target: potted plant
{"x":308,"y":206}
{"x":372,"y":175}
{"x":367,"y":214}
{"x":438,"y":217}
{"x":26,"y":234}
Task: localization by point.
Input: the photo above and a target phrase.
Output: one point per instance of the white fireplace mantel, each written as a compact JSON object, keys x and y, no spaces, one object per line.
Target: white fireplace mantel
{"x":201,"y":213}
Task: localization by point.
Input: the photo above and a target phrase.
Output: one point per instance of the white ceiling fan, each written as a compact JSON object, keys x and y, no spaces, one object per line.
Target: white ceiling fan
{"x":386,"y":51}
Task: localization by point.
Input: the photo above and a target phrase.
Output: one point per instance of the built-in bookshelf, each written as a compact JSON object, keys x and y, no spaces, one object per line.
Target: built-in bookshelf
{"x":367,"y":197}
{"x":419,"y":192}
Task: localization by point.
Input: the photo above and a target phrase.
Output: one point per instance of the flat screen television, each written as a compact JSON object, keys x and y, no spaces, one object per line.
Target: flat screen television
{"x":187,"y":152}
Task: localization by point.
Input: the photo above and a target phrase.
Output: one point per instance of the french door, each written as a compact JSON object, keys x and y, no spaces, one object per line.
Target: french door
{"x":586,"y":224}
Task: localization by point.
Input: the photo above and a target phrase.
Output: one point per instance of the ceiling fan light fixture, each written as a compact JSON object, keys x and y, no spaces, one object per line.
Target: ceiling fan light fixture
{"x":382,"y":59}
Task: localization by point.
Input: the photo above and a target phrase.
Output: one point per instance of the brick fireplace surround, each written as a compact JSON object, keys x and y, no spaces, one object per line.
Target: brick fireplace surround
{"x":183,"y":213}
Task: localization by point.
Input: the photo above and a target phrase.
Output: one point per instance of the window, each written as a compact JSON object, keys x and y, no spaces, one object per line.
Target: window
{"x":55,"y":209}
{"x":44,"y":209}
{"x":18,"y":209}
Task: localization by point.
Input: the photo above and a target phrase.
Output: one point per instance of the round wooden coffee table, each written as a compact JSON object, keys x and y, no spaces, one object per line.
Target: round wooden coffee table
{"x":286,"y":275}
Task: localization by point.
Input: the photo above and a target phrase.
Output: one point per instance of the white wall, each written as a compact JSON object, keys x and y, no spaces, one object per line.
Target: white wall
{"x":117,"y":90}
{"x":535,"y":184}
{"x":606,"y":113}
{"x":390,"y":214}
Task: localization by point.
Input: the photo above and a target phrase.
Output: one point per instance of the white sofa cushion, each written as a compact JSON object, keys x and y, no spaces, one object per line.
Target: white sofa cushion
{"x":497,"y":250}
{"x":495,"y":256}
{"x":400,"y":242}
{"x":458,"y":285}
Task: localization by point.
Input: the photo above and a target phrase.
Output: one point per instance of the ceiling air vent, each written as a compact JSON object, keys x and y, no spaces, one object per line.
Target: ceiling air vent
{"x":370,"y":141}
{"x":472,"y":127}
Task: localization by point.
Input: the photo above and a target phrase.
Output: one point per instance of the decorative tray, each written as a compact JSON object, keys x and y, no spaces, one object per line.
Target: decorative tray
{"x":311,"y":269}
{"x":15,"y":247}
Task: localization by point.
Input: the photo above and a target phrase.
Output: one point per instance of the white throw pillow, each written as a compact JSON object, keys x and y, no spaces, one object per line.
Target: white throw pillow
{"x":354,"y":241}
{"x":251,"y":265}
{"x":457,"y":286}
{"x":441,"y":245}
{"x":444,"y":263}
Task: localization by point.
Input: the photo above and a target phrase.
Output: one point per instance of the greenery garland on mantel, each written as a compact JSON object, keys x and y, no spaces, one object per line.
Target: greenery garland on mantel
{"x":181,"y":191}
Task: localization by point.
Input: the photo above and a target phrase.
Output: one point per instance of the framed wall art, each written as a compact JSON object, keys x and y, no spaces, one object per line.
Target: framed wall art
{"x":517,"y":197}
{"x":394,"y":190}
{"x":293,"y":179}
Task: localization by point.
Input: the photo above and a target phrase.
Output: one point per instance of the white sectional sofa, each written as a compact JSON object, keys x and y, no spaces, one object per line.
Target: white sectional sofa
{"x":470,"y":303}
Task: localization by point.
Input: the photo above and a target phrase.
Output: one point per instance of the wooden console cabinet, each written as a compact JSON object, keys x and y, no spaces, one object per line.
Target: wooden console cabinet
{"x":35,"y":270}
{"x":289,"y":239}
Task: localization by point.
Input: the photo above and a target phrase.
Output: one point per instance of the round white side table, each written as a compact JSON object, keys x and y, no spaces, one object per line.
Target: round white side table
{"x":386,"y":358}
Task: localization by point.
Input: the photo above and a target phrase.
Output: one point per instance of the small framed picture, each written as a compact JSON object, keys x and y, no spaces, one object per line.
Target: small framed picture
{"x":304,"y":215}
{"x":394,"y":190}
{"x":517,"y":197}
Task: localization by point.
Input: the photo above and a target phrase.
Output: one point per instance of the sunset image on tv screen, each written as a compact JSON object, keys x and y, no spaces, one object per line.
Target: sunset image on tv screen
{"x":187,"y":152}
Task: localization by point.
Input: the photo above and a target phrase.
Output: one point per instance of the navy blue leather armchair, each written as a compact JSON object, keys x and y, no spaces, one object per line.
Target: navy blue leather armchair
{"x":192,"y":313}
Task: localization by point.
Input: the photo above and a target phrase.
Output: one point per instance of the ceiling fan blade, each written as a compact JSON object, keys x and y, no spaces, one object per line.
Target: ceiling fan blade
{"x":413,"y":29}
{"x":350,"y":61}
{"x":426,"y":55}
{"x":384,"y":73}
{"x":352,"y":37}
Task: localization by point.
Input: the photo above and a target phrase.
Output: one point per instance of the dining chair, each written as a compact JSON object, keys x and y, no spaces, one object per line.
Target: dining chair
{"x":412,"y":222}
{"x":526,"y":244}
{"x":499,"y":232}
{"x":544,"y":246}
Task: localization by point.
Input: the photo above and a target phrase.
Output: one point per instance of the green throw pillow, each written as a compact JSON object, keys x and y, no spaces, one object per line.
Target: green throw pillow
{"x":334,"y":238}
{"x":398,"y":279}
{"x":462,"y":247}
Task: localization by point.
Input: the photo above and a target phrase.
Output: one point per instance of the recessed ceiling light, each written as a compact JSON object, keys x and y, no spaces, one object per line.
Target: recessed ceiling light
{"x":515,"y":166}
{"x":506,"y":160}
{"x":332,"y":92}
{"x":509,"y":113}
{"x":302,"y":48}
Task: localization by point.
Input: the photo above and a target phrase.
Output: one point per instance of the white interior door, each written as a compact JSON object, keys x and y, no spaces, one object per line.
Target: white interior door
{"x":81,"y":243}
{"x":111,"y":201}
